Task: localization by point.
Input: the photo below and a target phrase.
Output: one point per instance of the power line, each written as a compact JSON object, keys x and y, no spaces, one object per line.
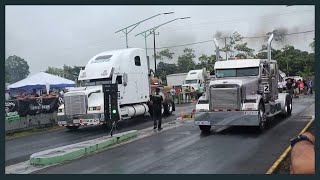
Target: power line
{"x":201,"y":42}
{"x":244,"y":19}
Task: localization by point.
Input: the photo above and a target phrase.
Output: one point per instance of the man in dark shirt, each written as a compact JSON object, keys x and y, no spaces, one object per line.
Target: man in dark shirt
{"x":157,"y":107}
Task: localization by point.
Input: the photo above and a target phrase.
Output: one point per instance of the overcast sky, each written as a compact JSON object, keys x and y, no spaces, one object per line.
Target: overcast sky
{"x":57,"y":35}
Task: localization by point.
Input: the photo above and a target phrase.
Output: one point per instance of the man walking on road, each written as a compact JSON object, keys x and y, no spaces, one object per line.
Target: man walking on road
{"x":157,"y":107}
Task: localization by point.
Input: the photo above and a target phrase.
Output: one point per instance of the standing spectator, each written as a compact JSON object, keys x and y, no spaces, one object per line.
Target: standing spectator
{"x":310,"y":85}
{"x":173,"y":93}
{"x":178,"y":90}
{"x":305,"y":86}
{"x":61,"y":93}
{"x":157,"y":109}
{"x":295,"y":88}
{"x":193,"y":93}
{"x":301,"y":86}
{"x":187,"y":91}
{"x":289,"y":87}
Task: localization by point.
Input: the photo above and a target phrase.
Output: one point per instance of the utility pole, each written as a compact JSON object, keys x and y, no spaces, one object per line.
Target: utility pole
{"x":133,"y":26}
{"x":154,"y":50}
{"x":153,"y":31}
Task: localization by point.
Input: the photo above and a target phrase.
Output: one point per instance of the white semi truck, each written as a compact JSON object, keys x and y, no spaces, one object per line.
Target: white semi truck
{"x":116,"y":87}
{"x":243,"y":93}
{"x":176,"y":79}
{"x":196,"y":79}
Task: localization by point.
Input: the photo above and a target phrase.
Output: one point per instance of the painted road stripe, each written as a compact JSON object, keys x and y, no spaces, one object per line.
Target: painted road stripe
{"x":285,"y":153}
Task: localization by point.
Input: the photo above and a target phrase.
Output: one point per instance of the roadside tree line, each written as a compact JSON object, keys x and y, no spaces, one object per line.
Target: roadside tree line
{"x":292,"y":61}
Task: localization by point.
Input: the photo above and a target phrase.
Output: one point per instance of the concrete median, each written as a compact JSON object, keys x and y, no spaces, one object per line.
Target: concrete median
{"x":73,"y":151}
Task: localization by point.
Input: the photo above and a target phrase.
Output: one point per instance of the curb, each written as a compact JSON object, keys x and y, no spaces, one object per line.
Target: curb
{"x":73,"y":151}
{"x":285,"y":153}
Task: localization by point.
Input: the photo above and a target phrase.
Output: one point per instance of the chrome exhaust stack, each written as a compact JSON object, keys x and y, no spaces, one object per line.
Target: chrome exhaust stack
{"x":217,"y":49}
{"x":269,"y":47}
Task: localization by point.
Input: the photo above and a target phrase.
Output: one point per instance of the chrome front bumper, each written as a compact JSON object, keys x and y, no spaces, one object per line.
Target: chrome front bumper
{"x":227,"y":118}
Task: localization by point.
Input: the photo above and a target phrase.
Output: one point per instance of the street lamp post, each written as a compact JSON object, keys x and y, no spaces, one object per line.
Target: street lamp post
{"x":128,"y":29}
{"x":152,"y":31}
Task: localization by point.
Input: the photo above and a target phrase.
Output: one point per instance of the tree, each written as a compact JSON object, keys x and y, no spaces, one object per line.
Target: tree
{"x":17,"y":68}
{"x":291,"y":61}
{"x":233,"y":40}
{"x":312,"y":45}
{"x":55,"y":71}
{"x":185,"y":61}
{"x":67,"y":72}
{"x":207,"y":62}
{"x":164,"y":69}
{"x":295,"y":61}
{"x":262,"y":54}
{"x":7,"y":76}
{"x":244,"y":51}
{"x":278,"y":34}
{"x":164,"y":54}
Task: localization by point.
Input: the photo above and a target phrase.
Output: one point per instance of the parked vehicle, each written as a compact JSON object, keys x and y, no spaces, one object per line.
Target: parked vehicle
{"x":243,"y":93}
{"x":116,"y":86}
{"x":196,"y":79}
{"x":176,"y":79}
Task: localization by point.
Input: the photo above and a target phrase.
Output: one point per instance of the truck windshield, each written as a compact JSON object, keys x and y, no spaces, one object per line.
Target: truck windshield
{"x":240,"y":72}
{"x":192,"y":81}
{"x":95,"y":82}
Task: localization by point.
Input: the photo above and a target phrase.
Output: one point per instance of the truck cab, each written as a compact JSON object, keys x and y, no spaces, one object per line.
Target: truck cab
{"x":115,"y":85}
{"x":125,"y":70}
{"x":195,"y":79}
{"x":244,"y":92}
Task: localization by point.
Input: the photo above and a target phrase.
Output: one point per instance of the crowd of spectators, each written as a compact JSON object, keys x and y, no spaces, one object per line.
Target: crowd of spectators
{"x":298,"y":87}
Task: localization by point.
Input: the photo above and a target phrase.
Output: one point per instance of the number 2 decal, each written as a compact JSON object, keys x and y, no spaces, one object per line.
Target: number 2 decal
{"x":266,"y":88}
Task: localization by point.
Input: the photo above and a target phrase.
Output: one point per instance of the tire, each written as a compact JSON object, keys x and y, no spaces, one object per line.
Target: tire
{"x":72,"y":127}
{"x":205,"y":128}
{"x":288,"y":107}
{"x":168,"y":109}
{"x":262,"y":118}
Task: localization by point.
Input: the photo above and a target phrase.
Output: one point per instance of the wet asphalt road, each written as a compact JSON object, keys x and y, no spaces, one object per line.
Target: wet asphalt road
{"x":185,"y":149}
{"x":19,"y":149}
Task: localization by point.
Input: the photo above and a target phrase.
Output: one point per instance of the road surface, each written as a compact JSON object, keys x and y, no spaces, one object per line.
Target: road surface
{"x":185,"y":149}
{"x":20,"y":149}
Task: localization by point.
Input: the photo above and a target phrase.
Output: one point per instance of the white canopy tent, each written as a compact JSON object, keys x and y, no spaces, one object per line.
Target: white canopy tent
{"x":41,"y":80}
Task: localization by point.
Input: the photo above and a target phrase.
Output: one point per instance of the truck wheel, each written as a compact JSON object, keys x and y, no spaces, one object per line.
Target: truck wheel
{"x":288,"y":106}
{"x":173,"y":107}
{"x":168,"y":109}
{"x":262,"y":118}
{"x":72,"y":127}
{"x":205,"y":128}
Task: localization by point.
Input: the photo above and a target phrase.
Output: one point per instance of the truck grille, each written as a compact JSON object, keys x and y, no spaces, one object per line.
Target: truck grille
{"x":225,"y":97}
{"x":75,"y":104}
